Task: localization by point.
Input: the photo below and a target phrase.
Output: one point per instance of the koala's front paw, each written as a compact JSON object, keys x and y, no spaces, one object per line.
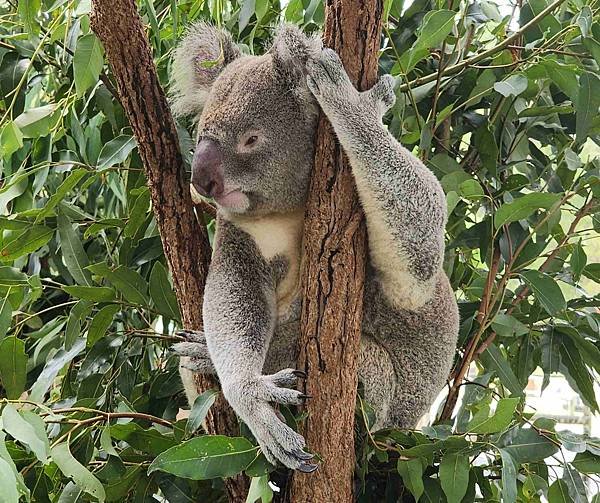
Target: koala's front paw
{"x":194,"y":352}
{"x":328,"y":81}
{"x":382,"y":94}
{"x":251,"y":399}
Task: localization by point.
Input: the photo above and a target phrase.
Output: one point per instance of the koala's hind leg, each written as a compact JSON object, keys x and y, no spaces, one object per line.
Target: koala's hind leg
{"x":378,"y":379}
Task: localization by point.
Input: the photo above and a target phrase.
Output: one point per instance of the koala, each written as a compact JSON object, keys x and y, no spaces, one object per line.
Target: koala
{"x":256,"y":118}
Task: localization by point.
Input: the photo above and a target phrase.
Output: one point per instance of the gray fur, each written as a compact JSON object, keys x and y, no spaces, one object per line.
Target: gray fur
{"x":410,"y":319}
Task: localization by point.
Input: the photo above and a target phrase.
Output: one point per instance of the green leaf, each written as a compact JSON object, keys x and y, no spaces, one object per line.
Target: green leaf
{"x":499,"y":421}
{"x":586,"y":462}
{"x":87,"y":62}
{"x":508,"y":326}
{"x":454,"y":476}
{"x":162,"y":294}
{"x":11,"y":139}
{"x":127,"y":281}
{"x":526,"y":445}
{"x":22,"y":431}
{"x":206,"y":457}
{"x":575,"y":485}
{"x":5,"y":313}
{"x":588,"y":102}
{"x":65,"y":187}
{"x":27,"y":241}
{"x":28,"y":10}
{"x":201,"y":406}
{"x":509,"y":477}
{"x":524,"y":207}
{"x":73,"y":329}
{"x":592,"y":271}
{"x":73,"y":253}
{"x":576,"y":373}
{"x":73,"y":469}
{"x":138,"y":213}
{"x":546,"y":291}
{"x":492,"y":359}
{"x":93,"y":293}
{"x":578,"y":260}
{"x":411,"y":471}
{"x":534,"y":485}
{"x":260,"y":490}
{"x":564,"y":76}
{"x":585,"y":20}
{"x":512,"y":86}
{"x":5,"y":455}
{"x":246,"y":12}
{"x":471,"y":189}
{"x":13,"y":366}
{"x":51,"y":369}
{"x":559,"y":493}
{"x":436,"y":26}
{"x":8,"y":482}
{"x":146,"y":440}
{"x":100,"y":323}
{"x":36,"y":122}
{"x":115,"y":151}
{"x":119,"y":489}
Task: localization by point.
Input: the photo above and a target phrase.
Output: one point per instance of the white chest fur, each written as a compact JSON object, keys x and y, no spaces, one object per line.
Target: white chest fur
{"x":279,"y":235}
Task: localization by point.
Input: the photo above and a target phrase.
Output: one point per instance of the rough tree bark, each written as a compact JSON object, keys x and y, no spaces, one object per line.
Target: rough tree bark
{"x":334,"y":272}
{"x":119,"y":27}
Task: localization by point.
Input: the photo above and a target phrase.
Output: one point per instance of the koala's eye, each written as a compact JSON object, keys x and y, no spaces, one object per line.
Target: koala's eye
{"x":251,"y":141}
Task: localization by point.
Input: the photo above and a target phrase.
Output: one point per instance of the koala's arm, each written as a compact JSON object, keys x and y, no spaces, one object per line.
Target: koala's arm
{"x":239,"y":320}
{"x":404,"y":203}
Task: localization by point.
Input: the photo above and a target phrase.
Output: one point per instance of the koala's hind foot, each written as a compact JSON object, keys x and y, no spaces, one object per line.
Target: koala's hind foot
{"x":194,"y":352}
{"x":252,"y":398}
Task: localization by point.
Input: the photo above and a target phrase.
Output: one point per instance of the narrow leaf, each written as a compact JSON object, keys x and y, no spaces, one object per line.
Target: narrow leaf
{"x":73,"y":469}
{"x":13,"y":366}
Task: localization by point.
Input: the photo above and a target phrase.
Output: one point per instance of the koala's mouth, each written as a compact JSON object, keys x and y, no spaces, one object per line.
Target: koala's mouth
{"x":233,"y":200}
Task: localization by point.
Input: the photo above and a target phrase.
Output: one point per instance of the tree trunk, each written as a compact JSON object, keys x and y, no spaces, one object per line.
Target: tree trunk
{"x":185,"y":242}
{"x":334,"y":272}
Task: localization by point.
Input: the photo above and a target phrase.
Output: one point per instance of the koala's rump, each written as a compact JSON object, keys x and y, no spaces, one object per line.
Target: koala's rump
{"x":420,"y":345}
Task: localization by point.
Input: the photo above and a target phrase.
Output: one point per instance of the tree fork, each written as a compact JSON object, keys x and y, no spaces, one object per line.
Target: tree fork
{"x":334,"y":272}
{"x":185,"y":242}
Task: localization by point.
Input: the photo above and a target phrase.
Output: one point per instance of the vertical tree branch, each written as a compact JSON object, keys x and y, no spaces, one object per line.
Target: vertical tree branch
{"x":334,"y":272}
{"x":119,"y":27}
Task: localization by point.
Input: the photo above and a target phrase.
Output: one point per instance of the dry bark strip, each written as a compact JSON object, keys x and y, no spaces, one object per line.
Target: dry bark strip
{"x":185,"y":242}
{"x":334,"y":272}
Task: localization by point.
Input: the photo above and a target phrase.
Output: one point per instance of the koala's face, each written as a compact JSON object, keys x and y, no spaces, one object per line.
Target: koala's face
{"x":255,"y":137}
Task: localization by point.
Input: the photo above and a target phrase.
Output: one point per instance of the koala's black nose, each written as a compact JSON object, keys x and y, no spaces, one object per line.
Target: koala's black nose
{"x":207,"y":169}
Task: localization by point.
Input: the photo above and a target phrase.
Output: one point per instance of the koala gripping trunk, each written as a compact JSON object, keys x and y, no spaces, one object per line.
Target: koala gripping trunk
{"x":185,"y":243}
{"x":335,"y":253}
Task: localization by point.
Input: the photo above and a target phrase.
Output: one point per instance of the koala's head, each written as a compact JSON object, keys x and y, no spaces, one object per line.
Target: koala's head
{"x":255,"y":118}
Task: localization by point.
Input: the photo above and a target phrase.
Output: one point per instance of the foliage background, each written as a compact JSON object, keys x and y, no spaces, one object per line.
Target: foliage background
{"x":90,"y":392}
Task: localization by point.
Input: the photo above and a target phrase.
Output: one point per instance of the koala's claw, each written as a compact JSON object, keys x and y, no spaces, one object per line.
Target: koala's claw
{"x":194,"y":352}
{"x":303,"y":454}
{"x":307,"y":468}
{"x":192,"y":335}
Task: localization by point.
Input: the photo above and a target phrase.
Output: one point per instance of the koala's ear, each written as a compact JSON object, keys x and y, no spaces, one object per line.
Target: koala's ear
{"x":291,"y":50}
{"x":199,"y":58}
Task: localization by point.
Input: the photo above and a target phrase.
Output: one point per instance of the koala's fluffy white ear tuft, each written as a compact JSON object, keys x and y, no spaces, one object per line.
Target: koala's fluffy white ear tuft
{"x":199,"y":58}
{"x":291,"y":50}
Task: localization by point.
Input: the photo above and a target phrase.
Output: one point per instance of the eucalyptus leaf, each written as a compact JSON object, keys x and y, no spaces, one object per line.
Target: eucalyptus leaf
{"x":206,"y":457}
